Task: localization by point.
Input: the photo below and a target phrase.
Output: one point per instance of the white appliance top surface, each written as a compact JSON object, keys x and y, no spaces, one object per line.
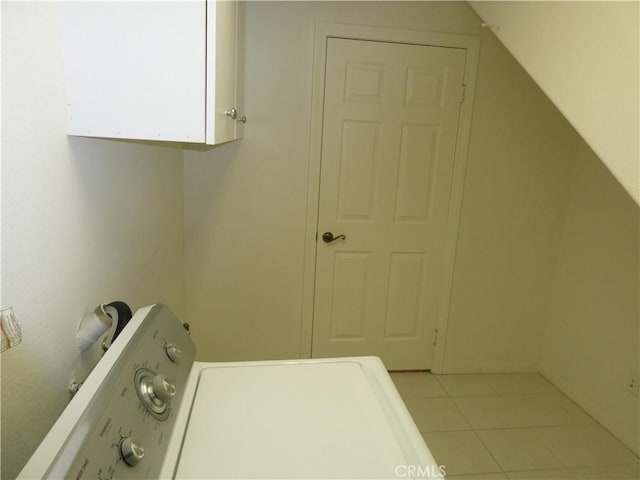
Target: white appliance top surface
{"x":314,"y":418}
{"x":306,"y":419}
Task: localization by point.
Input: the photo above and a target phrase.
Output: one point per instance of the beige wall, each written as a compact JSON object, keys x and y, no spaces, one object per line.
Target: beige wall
{"x":245,"y":212}
{"x":245,"y":203}
{"x":520,"y":156}
{"x":585,"y":56}
{"x":84,"y":221}
{"x":591,"y":348}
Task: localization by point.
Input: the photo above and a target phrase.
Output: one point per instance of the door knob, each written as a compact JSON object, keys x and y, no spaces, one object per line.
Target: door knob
{"x":327,"y":237}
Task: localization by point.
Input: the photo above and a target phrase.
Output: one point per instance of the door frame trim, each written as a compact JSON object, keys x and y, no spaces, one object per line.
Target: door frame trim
{"x":323,"y":32}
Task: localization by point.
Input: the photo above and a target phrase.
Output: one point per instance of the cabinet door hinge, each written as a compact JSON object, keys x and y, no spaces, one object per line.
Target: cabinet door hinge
{"x":462,"y":92}
{"x":435,"y":337}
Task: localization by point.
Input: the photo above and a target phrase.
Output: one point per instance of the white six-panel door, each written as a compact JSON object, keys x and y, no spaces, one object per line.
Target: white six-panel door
{"x":388,"y":145}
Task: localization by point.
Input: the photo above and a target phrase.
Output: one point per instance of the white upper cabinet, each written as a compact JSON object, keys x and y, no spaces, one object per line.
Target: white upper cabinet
{"x":157,"y":70}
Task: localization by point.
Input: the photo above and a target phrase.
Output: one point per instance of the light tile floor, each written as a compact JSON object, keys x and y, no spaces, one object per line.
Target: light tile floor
{"x":511,"y":426}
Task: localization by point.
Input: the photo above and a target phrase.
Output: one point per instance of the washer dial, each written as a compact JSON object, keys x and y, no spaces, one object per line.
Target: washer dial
{"x":173,"y":352}
{"x":155,"y":391}
{"x":131,"y":451}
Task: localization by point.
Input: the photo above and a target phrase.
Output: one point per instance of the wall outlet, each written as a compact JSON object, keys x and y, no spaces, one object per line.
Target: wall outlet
{"x":633,"y":386}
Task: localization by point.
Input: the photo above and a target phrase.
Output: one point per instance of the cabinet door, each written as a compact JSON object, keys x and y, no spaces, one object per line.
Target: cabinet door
{"x":136,"y":69}
{"x":223,"y":75}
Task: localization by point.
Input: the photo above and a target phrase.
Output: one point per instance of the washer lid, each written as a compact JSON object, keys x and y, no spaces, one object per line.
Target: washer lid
{"x":301,"y":420}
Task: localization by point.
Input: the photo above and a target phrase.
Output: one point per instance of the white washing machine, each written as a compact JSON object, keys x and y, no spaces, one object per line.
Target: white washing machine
{"x":148,"y":410}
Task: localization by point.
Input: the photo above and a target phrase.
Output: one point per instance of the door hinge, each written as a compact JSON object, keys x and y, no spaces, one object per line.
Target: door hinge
{"x":435,"y":337}
{"x":463,"y":90}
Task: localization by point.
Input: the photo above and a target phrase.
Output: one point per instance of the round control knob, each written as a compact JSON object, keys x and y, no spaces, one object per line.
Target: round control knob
{"x":155,"y":391}
{"x":173,"y":352}
{"x":164,"y":388}
{"x":131,"y":451}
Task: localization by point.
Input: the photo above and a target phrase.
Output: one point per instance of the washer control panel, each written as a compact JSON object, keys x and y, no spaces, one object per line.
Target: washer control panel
{"x":126,"y":430}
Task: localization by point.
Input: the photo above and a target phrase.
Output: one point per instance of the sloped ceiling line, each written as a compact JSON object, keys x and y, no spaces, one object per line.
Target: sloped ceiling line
{"x":585,"y":57}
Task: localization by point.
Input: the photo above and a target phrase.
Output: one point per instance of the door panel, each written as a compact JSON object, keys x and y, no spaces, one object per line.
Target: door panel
{"x":388,"y":143}
{"x":418,"y":147}
{"x":405,"y":295}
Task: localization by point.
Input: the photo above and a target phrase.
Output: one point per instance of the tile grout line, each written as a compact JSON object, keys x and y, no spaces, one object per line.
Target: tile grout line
{"x":474,"y":431}
{"x":532,"y":429}
{"x":526,"y":427}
